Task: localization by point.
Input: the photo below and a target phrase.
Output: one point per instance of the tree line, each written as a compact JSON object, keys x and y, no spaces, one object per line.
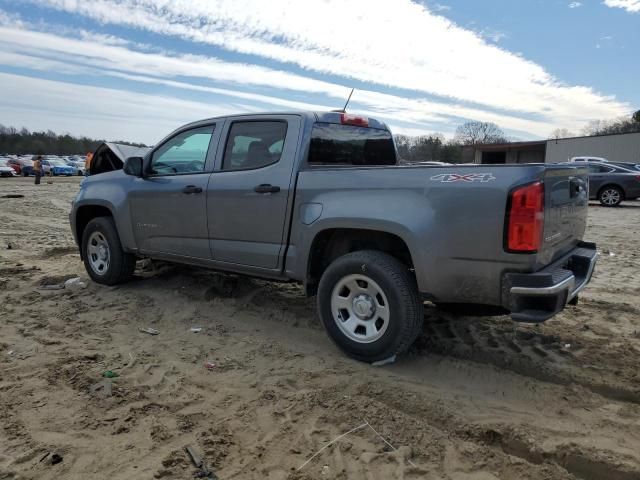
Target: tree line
{"x":24,"y":142}
{"x":629,"y":124}
{"x":423,"y":148}
{"x":434,"y":147}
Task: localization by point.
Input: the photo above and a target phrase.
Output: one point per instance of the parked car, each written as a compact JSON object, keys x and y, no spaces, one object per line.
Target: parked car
{"x":5,"y":169}
{"x":56,"y":167}
{"x":628,"y":165}
{"x":611,"y":184}
{"x":588,"y":159}
{"x":78,"y":167}
{"x":319,"y":198}
{"x":23,"y":166}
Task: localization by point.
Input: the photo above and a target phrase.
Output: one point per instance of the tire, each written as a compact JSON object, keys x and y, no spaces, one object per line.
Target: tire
{"x":610,"y":196}
{"x":110,"y":268}
{"x":367,"y":334}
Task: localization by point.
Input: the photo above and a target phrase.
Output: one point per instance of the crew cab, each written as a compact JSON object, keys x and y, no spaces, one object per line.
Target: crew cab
{"x":320,"y":199}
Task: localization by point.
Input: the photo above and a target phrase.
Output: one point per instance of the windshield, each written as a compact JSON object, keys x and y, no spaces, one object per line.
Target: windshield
{"x":3,"y":163}
{"x":57,"y":163}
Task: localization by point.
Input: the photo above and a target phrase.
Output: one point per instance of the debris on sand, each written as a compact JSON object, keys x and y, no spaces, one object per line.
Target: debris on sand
{"x":110,"y":374}
{"x":71,"y":282}
{"x":209,"y":365}
{"x":55,"y":286}
{"x":104,"y":385}
{"x":149,"y":330}
{"x":199,"y":463}
{"x":74,"y":283}
{"x":386,"y":361}
{"x":196,"y":329}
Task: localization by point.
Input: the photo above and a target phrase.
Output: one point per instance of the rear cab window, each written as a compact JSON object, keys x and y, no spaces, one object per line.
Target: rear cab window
{"x":347,"y":145}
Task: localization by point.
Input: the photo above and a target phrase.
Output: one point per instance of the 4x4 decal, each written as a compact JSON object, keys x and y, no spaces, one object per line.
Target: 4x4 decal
{"x":467,"y":177}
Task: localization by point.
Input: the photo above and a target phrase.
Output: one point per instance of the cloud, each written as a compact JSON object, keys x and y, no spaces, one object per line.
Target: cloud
{"x":404,"y":46}
{"x":99,"y":56}
{"x":97,"y":112}
{"x":438,"y":7}
{"x":575,"y":4}
{"x":632,"y":6}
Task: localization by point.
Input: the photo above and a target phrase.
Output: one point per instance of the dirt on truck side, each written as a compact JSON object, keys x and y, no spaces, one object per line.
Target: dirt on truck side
{"x":260,"y":389}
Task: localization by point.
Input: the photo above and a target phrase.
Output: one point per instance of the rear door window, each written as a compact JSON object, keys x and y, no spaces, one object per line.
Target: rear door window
{"x":252,"y":145}
{"x":333,"y":144}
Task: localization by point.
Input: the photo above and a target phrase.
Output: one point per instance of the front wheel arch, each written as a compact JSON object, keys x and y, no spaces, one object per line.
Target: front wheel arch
{"x":84,"y":215}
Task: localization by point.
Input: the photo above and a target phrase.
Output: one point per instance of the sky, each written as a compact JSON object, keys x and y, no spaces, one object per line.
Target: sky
{"x":136,"y":69}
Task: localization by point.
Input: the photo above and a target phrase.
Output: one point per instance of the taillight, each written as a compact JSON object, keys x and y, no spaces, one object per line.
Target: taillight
{"x":349,"y":119}
{"x":525,"y":218}
{"x":638,"y":177}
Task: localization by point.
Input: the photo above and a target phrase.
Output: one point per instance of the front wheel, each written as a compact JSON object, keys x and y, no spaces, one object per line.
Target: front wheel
{"x":610,"y":196}
{"x":369,"y":305}
{"x":104,"y":259}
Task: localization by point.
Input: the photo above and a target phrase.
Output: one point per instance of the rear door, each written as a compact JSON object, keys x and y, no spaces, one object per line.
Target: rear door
{"x":565,"y":209}
{"x":597,"y":177}
{"x":168,"y":206}
{"x":251,"y":193}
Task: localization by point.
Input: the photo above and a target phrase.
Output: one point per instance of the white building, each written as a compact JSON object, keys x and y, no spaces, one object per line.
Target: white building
{"x":616,"y":148}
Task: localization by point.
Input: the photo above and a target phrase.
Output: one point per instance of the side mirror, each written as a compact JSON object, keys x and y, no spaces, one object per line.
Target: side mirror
{"x":133,"y":166}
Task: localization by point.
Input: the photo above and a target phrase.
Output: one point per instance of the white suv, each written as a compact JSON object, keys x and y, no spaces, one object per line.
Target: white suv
{"x":588,"y":159}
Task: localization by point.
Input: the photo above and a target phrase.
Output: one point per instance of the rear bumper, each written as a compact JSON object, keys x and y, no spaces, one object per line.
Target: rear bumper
{"x":536,"y":297}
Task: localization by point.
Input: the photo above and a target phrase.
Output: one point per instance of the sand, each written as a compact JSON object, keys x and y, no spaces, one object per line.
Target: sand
{"x":475,"y":398}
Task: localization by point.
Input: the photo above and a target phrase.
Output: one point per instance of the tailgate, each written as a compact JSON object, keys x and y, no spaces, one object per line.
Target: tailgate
{"x":565,"y":212}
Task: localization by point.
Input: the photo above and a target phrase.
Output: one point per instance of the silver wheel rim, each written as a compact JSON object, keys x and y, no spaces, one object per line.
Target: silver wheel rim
{"x":360,"y":308}
{"x":610,"y":197}
{"x":98,"y":253}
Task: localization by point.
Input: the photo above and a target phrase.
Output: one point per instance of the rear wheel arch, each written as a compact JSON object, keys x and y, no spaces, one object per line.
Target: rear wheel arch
{"x":333,"y":243}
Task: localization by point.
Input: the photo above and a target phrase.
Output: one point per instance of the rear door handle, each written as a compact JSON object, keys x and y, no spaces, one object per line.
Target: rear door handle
{"x":266,"y":188}
{"x":189,"y":189}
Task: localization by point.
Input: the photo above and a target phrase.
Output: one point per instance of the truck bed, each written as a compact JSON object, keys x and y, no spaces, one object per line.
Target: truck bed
{"x":452,"y":218}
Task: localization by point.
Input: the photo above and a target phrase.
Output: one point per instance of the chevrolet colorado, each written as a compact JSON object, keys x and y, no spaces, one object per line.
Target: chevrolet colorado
{"x":321,"y":199}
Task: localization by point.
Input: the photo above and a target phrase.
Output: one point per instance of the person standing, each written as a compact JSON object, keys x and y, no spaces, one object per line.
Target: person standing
{"x":37,"y":169}
{"x":87,"y":163}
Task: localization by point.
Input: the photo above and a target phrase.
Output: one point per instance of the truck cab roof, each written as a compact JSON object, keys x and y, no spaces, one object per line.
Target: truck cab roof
{"x":312,"y":116}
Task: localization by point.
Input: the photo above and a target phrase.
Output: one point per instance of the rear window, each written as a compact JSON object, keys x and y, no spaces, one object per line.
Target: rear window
{"x":333,"y":144}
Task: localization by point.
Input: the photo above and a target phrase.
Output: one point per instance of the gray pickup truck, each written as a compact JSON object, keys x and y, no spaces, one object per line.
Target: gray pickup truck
{"x":320,"y":198}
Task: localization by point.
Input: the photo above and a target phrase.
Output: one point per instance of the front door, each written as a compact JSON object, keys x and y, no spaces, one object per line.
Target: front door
{"x":251,"y":192}
{"x":169,"y":205}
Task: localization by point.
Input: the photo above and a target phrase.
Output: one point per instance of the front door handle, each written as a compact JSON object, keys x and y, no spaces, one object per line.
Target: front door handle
{"x":266,"y":188}
{"x":189,"y":189}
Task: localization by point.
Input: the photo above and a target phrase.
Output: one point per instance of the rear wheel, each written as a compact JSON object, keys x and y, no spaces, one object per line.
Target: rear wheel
{"x":610,"y":196}
{"x":104,"y":259}
{"x":370,"y":306}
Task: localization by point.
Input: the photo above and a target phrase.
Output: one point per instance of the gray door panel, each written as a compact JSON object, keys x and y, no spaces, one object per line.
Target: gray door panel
{"x":169,"y":205}
{"x":247,"y":227}
{"x":168,"y":220}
